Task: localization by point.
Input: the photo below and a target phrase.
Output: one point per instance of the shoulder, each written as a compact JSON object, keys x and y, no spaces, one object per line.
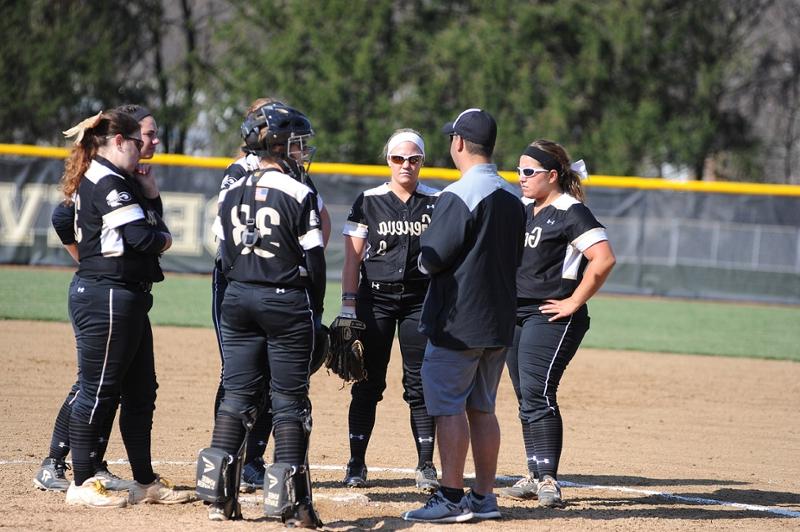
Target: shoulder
{"x":380,"y":190}
{"x":274,"y":180}
{"x":425,"y":190}
{"x":479,"y":183}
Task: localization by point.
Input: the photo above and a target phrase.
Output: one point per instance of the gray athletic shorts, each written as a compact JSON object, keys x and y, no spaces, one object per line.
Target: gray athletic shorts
{"x":454,"y":381}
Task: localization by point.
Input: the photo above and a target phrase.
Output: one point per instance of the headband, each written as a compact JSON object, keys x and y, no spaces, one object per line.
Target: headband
{"x":548,"y":161}
{"x":405,"y":136}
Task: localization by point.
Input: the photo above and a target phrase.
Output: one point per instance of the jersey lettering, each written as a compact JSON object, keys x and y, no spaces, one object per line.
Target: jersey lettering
{"x":532,"y":238}
{"x":77,"y":230}
{"x":265,"y":219}
{"x":403,"y":227}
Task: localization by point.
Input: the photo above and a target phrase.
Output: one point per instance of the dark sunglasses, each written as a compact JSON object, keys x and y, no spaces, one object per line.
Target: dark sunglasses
{"x":400,"y":159}
{"x":139,"y":143}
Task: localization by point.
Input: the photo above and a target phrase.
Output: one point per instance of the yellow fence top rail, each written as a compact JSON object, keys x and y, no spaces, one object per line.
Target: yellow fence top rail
{"x":169,"y":159}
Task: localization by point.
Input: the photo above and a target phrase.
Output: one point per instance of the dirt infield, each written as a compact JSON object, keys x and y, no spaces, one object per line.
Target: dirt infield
{"x":652,"y":442}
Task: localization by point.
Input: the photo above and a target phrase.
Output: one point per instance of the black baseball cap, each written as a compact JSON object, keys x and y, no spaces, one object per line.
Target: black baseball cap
{"x":475,"y":125}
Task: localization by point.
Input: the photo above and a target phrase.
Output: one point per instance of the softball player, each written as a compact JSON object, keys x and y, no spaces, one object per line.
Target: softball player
{"x":118,"y":246}
{"x":381,"y":242}
{"x":51,"y":475}
{"x":273,"y":260}
{"x":566,"y":259}
{"x":253,"y":469}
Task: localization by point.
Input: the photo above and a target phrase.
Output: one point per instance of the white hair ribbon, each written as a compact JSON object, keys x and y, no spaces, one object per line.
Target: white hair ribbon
{"x":405,"y":136}
{"x":79,"y":129}
{"x":579,"y":167}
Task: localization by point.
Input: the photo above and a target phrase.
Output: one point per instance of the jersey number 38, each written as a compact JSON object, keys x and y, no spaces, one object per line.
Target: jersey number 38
{"x":266,"y":218}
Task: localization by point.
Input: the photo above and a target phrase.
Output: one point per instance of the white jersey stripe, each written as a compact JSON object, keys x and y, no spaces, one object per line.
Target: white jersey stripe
{"x":552,"y":361}
{"x":108,"y":348}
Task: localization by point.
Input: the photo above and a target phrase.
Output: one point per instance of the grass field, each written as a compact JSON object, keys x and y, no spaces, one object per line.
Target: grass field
{"x":628,"y":323}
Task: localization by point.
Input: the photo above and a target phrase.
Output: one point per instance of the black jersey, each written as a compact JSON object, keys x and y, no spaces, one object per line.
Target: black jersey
{"x":119,"y":238}
{"x":392,"y":229}
{"x":288,"y":225}
{"x":555,"y":239}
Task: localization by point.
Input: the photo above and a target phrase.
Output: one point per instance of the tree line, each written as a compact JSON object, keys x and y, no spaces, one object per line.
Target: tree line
{"x":635,"y":87}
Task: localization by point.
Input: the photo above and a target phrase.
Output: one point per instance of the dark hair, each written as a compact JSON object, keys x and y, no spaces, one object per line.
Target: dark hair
{"x":478,"y":149}
{"x":95,"y":133}
{"x":138,"y":112}
{"x":568,"y":180}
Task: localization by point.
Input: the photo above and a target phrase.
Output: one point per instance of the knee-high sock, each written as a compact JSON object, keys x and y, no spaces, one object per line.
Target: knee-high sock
{"x":548,"y":440}
{"x":423,"y":427}
{"x":361,"y":421}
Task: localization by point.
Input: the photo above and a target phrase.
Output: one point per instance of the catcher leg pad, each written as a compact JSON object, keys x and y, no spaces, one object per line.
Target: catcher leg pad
{"x":279,"y":490}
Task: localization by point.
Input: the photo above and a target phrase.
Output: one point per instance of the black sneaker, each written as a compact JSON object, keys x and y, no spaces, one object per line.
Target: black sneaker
{"x":52,"y":475}
{"x":426,"y":478}
{"x":303,"y":516}
{"x":356,"y":475}
{"x":252,"y":475}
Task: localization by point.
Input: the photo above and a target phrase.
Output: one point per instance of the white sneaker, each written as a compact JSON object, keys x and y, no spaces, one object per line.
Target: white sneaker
{"x":160,"y":491}
{"x":93,"y":493}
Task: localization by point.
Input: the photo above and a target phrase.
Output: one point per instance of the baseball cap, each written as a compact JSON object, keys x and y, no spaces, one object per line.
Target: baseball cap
{"x":475,"y":125}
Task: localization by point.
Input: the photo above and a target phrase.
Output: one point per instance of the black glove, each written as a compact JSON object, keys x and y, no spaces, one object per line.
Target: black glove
{"x":346,"y":355}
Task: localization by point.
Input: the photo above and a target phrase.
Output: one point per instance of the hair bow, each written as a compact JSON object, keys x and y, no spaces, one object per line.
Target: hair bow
{"x":579,"y":167}
{"x":79,"y":129}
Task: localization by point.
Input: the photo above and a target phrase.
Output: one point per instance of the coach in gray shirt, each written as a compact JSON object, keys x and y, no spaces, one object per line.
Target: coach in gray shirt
{"x":471,"y":250}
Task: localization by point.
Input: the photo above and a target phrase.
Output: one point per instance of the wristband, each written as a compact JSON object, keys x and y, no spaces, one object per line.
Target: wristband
{"x":349,"y":296}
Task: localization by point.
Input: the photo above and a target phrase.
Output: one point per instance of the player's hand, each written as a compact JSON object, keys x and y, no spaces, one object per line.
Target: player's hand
{"x":559,"y":308}
{"x":144,"y":175}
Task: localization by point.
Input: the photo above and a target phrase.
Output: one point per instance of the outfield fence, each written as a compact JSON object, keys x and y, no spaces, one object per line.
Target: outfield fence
{"x":696,"y":239}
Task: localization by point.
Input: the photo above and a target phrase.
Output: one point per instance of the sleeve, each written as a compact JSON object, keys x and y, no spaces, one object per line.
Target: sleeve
{"x":143,"y":237}
{"x":356,"y":224}
{"x":233,"y":173}
{"x":582,"y":228}
{"x":443,"y":241}
{"x":63,"y":220}
{"x":309,"y":234}
{"x":116,"y":202}
{"x":310,"y":184}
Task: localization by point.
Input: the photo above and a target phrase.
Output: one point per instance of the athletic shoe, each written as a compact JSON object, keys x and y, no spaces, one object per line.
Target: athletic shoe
{"x":111,"y":481}
{"x":252,"y":475}
{"x":426,"y":477}
{"x":525,"y":488}
{"x":550,"y":493}
{"x":356,"y":475}
{"x":92,"y":493}
{"x":160,"y":491}
{"x":51,"y":475}
{"x":485,"y":508}
{"x":440,"y":510}
{"x":304,"y":516}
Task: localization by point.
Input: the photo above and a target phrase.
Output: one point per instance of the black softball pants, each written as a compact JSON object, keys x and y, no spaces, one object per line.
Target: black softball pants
{"x":115,"y":353}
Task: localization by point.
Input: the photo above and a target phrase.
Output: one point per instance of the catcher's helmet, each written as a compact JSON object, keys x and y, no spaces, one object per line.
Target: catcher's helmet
{"x":281,"y":122}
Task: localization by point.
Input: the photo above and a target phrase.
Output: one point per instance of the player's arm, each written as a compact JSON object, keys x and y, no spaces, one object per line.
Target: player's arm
{"x":325,"y":224}
{"x":442,"y":242}
{"x":353,"y":255}
{"x":63,"y":220}
{"x":601,"y":260}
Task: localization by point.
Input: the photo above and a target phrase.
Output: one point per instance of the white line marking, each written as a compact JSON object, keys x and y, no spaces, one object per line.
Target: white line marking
{"x":671,"y":496}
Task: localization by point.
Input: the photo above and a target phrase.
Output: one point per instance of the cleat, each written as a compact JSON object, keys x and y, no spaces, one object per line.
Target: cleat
{"x":111,"y":481}
{"x":550,"y":493}
{"x":92,"y":493}
{"x":524,"y":489}
{"x":356,"y":475}
{"x":51,"y":475}
{"x":439,"y":510}
{"x":160,"y":491}
{"x":485,"y":508}
{"x":252,"y":476}
{"x":304,"y":516}
{"x":426,"y":478}
{"x":216,"y":512}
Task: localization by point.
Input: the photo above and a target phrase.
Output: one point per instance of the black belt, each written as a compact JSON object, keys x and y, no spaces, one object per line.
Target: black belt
{"x":397,"y":288}
{"x":141,"y":286}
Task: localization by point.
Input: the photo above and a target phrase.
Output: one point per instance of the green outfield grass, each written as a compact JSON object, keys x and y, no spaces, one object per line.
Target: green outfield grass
{"x":646,"y":324}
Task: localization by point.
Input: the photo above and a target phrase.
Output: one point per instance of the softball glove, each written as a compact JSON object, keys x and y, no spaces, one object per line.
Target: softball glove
{"x":346,"y":354}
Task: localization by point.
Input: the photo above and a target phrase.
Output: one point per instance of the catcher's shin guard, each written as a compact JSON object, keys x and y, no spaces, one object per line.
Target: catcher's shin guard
{"x":219,"y":475}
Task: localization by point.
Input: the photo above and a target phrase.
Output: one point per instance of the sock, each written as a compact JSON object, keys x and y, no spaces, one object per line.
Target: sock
{"x":290,"y":442}
{"x":478,"y":495}
{"x":59,"y":443}
{"x":136,"y":426}
{"x":258,"y":437}
{"x":228,"y":434}
{"x":530,"y":449}
{"x":452,"y":494}
{"x":82,"y":436}
{"x":103,"y":435}
{"x":361,"y":420}
{"x":423,"y":427}
{"x":548,"y":439}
